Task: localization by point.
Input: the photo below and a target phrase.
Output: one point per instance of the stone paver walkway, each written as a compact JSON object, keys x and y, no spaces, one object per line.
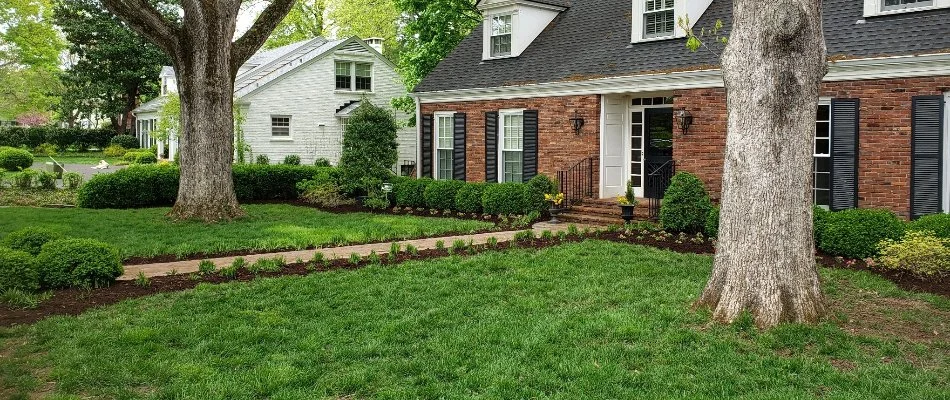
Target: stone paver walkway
{"x":185,"y":267}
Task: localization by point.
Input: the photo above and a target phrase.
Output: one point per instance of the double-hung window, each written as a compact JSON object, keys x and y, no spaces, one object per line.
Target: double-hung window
{"x":888,"y":5}
{"x":512,"y":147}
{"x":501,"y":35}
{"x":280,"y":125}
{"x":444,"y":146}
{"x":821,"y":185}
{"x":659,"y":19}
{"x":354,"y":76}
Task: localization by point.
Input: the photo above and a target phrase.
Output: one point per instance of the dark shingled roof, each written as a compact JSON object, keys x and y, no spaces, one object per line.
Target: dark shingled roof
{"x":591,"y":39}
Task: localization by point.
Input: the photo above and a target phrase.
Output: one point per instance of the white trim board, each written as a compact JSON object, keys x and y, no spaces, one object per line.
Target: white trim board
{"x":844,"y":70}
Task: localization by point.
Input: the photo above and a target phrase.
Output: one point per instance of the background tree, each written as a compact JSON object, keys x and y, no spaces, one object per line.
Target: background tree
{"x":366,"y":19}
{"x":113,"y":68}
{"x":29,"y":58}
{"x":206,"y":58}
{"x":772,"y":66}
{"x":304,"y":21}
{"x":369,"y":149}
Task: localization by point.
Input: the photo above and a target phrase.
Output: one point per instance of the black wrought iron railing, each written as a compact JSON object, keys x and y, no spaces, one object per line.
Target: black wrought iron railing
{"x":658,"y":180}
{"x":577,"y":182}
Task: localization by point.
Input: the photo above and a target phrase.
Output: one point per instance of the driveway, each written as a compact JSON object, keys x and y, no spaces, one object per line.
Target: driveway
{"x":84,"y":169}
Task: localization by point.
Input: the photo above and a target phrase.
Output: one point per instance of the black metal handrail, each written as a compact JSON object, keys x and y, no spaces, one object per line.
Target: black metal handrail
{"x":658,"y":180}
{"x":577,"y":182}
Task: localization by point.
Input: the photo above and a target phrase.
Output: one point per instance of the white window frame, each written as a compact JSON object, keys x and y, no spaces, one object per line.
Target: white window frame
{"x":273,"y":126}
{"x":352,"y":67}
{"x":815,"y":155}
{"x":437,"y":132}
{"x":663,"y":9}
{"x":917,"y":4}
{"x":502,"y":135}
{"x":876,"y":7}
{"x":510,"y":33}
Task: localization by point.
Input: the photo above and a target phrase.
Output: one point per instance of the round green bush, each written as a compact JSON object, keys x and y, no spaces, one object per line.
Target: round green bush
{"x":411,"y":192}
{"x":17,"y":271}
{"x":712,"y":222}
{"x":686,"y":204}
{"x":133,"y":187}
{"x":292,"y":159}
{"x":469,"y":197}
{"x":440,"y":195}
{"x":507,"y":199}
{"x":857,"y":233}
{"x":322,"y":162}
{"x":262,"y":159}
{"x":125,"y":141}
{"x":939,"y":224}
{"x":819,"y":216}
{"x":539,"y":186}
{"x":15,"y":159}
{"x":31,"y":239}
{"x":78,"y":262}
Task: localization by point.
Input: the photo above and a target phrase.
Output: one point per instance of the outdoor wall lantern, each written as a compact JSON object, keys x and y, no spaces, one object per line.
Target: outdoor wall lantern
{"x":684,"y":119}
{"x":577,"y":123}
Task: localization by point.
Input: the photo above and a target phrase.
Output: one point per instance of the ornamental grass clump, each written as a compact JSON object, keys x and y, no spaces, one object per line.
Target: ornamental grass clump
{"x":921,"y":253}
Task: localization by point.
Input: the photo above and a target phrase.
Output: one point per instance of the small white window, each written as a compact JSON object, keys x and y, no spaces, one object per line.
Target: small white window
{"x":445,"y":146}
{"x":659,"y":18}
{"x":501,"y":35}
{"x":512,"y":147}
{"x":821,"y":184}
{"x":343,"y":76}
{"x":887,"y":5}
{"x":354,"y":76}
{"x":280,"y":125}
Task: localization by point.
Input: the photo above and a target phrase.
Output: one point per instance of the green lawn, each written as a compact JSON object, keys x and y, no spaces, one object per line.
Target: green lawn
{"x":147,"y":232}
{"x":594,"y":320}
{"x":88,"y":158}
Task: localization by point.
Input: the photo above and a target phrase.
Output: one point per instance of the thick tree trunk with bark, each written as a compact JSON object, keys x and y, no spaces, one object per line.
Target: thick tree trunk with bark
{"x":765,"y":261}
{"x":206,"y":62}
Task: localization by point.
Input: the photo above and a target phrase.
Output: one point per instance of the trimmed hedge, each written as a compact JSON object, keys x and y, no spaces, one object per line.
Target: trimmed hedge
{"x":856,"y":233}
{"x":15,"y":159}
{"x":440,"y":195}
{"x":63,"y":138}
{"x":125,"y":141}
{"x":686,"y":204}
{"x":78,"y":263}
{"x":469,"y":197}
{"x":712,"y":222}
{"x":17,"y":271}
{"x":30,"y":239}
{"x":411,"y":192}
{"x":507,"y":199}
{"x":157,"y":185}
{"x":140,"y":157}
{"x":939,"y":224}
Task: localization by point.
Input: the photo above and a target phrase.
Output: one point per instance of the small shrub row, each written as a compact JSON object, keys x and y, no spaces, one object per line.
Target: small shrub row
{"x":474,"y":197}
{"x":140,"y":157}
{"x":62,"y":138}
{"x":35,"y":258}
{"x":157,"y":185}
{"x":12,"y":159}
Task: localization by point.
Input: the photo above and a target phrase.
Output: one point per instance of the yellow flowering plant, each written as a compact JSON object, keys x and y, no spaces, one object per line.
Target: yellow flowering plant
{"x":555,"y":199}
{"x":628,"y":198}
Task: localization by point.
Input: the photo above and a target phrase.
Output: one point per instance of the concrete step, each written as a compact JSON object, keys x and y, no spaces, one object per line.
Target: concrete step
{"x":590,"y":219}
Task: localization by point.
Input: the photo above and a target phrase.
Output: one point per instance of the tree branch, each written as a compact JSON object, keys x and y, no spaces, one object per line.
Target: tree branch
{"x":252,"y":40}
{"x":146,"y":21}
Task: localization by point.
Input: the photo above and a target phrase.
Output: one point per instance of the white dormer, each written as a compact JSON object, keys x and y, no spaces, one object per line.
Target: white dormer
{"x":169,"y":82}
{"x":658,"y":19}
{"x":511,"y":25}
{"x":886,"y":7}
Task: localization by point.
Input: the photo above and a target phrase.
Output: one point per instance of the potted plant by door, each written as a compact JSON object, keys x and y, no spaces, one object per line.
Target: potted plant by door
{"x":628,"y":203}
{"x":556,"y":201}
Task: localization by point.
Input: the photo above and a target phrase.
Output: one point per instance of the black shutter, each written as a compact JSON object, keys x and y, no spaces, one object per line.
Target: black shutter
{"x":926,"y":171}
{"x":458,"y":148}
{"x":491,"y":146}
{"x":427,"y":146}
{"x":845,"y":115}
{"x":530,"y":149}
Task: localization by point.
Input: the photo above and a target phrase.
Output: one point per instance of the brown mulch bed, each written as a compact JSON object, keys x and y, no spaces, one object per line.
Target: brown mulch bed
{"x":903,"y":280}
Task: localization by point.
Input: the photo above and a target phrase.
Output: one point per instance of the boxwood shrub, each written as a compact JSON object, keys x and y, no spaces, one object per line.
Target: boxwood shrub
{"x":125,"y":141}
{"x":17,"y":271}
{"x":134,"y":187}
{"x":15,"y":159}
{"x":440,"y":195}
{"x":30,"y":239}
{"x":78,"y":263}
{"x":411,"y":192}
{"x":939,"y":224}
{"x":686,"y":204}
{"x":712,"y":222}
{"x":469,"y":197}
{"x":857,"y":233}
{"x":140,"y":157}
{"x":273,"y":182}
{"x":507,"y":199}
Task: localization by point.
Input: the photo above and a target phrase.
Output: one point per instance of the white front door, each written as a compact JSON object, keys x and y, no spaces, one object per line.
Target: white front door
{"x":613,"y":147}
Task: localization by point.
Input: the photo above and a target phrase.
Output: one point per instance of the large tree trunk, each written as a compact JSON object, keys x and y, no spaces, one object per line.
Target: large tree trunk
{"x":206,"y":144}
{"x":765,"y":261}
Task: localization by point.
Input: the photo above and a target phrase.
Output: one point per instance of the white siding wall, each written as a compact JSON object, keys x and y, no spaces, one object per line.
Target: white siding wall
{"x":308,"y":95}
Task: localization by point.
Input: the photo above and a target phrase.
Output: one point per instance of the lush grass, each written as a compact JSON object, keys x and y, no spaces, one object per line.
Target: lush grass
{"x":87,"y":158}
{"x":147,"y":232}
{"x":594,"y":320}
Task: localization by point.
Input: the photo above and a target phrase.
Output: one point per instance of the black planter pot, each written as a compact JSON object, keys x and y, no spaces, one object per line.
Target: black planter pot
{"x":554,"y":213}
{"x":626,"y":212}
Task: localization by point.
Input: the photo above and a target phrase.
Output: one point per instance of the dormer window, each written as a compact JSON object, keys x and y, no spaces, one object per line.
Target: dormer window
{"x":659,"y":18}
{"x":501,"y":35}
{"x":889,"y":5}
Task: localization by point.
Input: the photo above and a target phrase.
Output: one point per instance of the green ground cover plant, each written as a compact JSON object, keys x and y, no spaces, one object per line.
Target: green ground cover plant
{"x":584,"y":320}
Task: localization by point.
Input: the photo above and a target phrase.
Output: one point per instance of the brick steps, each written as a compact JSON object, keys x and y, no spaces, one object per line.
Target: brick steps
{"x":601,"y":212}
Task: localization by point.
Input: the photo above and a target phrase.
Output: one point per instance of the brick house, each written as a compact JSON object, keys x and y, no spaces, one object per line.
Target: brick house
{"x":601,"y":92}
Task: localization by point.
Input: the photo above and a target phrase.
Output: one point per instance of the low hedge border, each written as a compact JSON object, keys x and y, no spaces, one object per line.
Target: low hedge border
{"x":63,"y":138}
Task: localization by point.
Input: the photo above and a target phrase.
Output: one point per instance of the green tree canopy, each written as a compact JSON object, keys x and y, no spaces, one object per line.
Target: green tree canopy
{"x":304,"y":21}
{"x":30,"y":49}
{"x":430,"y":31}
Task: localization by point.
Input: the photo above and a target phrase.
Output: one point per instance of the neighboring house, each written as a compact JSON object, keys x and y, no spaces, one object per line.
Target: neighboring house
{"x":504,"y":104}
{"x":297,"y":99}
